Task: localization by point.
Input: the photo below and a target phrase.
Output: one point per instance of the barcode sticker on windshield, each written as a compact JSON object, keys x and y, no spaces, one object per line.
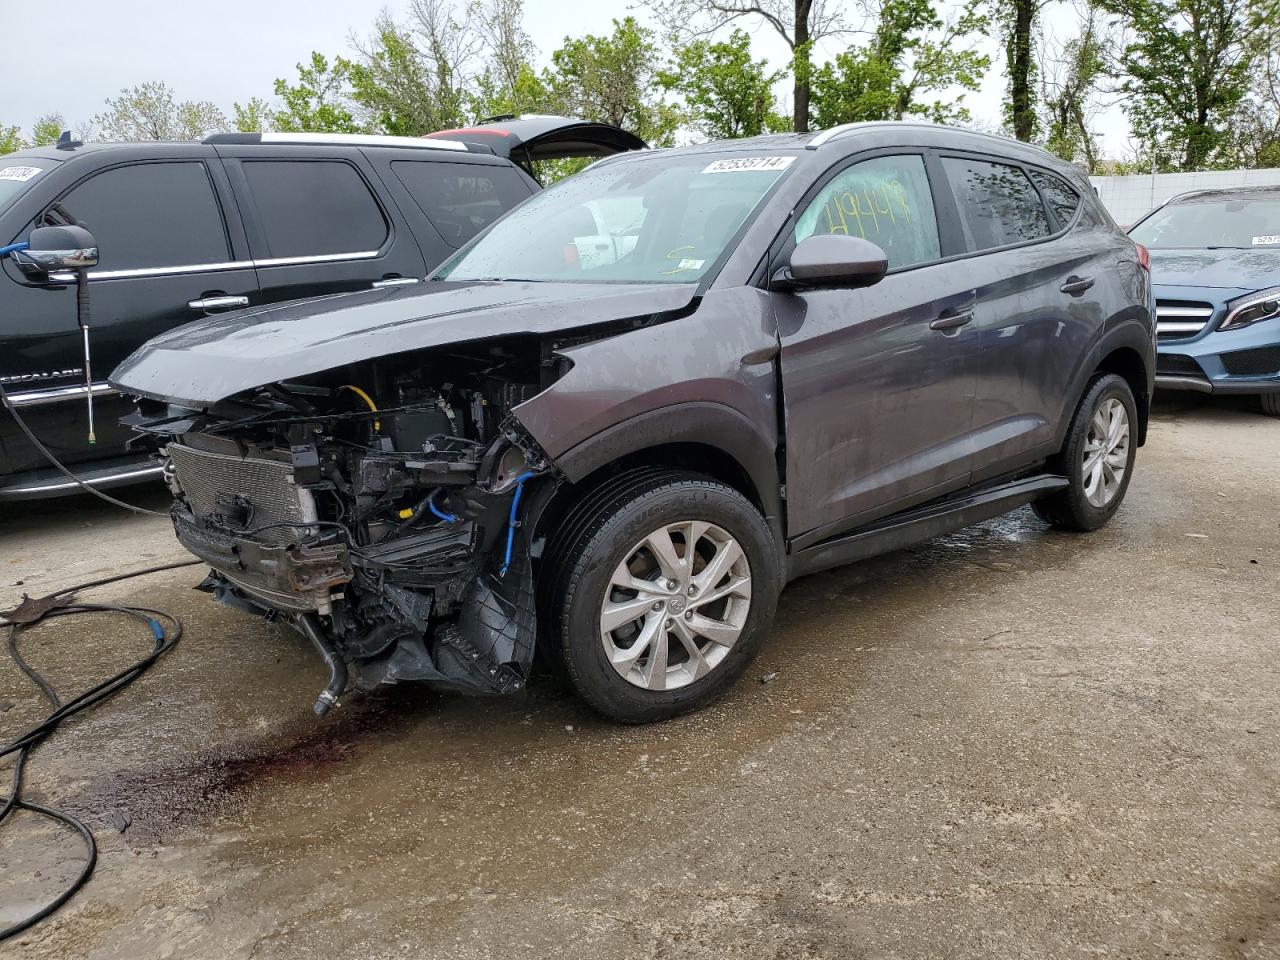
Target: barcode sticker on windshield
{"x":1263,"y":241}
{"x":740,"y":164}
{"x":21,"y":174}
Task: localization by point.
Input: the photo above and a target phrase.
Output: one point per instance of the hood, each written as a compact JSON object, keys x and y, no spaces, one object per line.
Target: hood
{"x":1235,"y":269}
{"x":211,"y":359}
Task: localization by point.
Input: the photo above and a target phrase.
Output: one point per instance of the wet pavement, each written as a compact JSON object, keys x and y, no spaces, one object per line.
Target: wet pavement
{"x":1003,"y":743}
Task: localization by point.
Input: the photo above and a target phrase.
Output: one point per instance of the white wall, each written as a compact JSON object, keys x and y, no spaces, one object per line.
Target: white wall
{"x":1128,"y":198}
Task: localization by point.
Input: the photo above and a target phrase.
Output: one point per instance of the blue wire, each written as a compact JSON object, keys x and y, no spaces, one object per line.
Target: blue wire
{"x":13,"y":247}
{"x":511,"y":520}
{"x":446,"y":517}
{"x":157,"y":629}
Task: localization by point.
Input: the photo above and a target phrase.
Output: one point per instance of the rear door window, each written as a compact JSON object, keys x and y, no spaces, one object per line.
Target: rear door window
{"x":151,"y":215}
{"x":1060,"y":195}
{"x":314,"y":208}
{"x":998,"y":205}
{"x":886,"y":200}
{"x":461,"y":199}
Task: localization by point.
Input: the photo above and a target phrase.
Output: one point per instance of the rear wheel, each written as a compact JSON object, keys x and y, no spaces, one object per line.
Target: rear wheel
{"x":1097,"y":458}
{"x":1271,"y":404}
{"x":662,"y":593}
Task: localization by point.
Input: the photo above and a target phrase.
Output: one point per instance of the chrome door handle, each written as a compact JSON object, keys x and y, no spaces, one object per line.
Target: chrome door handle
{"x":394,"y":282}
{"x":951,"y":320}
{"x":218,"y":303}
{"x":1076,"y":285}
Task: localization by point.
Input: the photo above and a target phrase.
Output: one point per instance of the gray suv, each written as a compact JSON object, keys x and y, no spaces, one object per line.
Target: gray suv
{"x":619,"y":420}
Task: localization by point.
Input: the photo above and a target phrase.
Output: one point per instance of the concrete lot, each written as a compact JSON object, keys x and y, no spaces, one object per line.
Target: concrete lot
{"x":1003,"y":743}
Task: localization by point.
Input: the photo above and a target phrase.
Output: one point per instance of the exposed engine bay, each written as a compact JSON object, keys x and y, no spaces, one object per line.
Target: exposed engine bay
{"x":376,"y":507}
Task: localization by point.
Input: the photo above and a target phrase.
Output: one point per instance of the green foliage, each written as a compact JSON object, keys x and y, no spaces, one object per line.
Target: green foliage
{"x":150,"y":112}
{"x":11,"y":140}
{"x":727,"y":93}
{"x":1186,"y":70}
{"x":47,"y":130}
{"x":256,"y":116}
{"x":320,"y":101}
{"x":611,"y":79}
{"x":913,"y":53}
{"x":408,"y":78}
{"x":1017,"y":21}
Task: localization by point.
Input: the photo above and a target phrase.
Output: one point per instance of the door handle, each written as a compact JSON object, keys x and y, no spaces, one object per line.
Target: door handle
{"x":208,"y":304}
{"x":951,"y":319}
{"x":394,"y":282}
{"x":1076,"y":285}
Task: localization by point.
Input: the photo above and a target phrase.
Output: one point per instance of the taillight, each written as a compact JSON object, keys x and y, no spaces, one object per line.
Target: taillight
{"x":1144,"y":257}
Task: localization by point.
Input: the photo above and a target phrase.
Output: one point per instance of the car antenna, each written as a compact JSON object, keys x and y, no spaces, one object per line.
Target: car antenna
{"x":65,"y":142}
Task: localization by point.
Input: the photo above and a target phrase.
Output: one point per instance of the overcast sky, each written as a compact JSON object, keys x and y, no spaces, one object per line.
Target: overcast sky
{"x":231,"y":50}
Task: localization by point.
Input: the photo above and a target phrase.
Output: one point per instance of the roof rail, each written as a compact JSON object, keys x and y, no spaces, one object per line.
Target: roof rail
{"x":829,"y":134}
{"x":337,"y":139}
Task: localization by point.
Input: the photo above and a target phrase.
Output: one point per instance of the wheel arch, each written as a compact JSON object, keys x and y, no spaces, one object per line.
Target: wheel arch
{"x":707,"y":438}
{"x":1125,"y":349}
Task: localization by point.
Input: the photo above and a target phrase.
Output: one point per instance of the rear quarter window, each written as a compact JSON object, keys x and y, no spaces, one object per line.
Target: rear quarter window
{"x":461,"y":199}
{"x":1061,"y":196}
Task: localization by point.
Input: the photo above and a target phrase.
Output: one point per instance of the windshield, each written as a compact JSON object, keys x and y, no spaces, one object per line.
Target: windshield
{"x":17,"y":175}
{"x":1205,"y":224}
{"x":660,"y":219}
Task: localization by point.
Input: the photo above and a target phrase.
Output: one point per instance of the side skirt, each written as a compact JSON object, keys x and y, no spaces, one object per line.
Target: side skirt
{"x":922,"y":523}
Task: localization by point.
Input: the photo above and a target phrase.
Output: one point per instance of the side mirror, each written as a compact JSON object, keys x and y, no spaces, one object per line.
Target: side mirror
{"x":57,"y":249}
{"x":833,"y":260}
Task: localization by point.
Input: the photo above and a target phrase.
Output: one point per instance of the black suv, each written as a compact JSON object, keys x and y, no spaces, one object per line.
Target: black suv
{"x":185,"y":230}
{"x":622,"y":417}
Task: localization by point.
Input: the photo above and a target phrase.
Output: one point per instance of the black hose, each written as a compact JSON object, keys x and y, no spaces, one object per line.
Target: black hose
{"x":164,"y":637}
{"x":333,"y":660}
{"x":44,"y":452}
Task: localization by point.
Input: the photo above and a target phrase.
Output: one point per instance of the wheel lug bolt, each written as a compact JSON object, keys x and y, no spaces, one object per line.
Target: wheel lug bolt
{"x":693,"y":591}
{"x":669,"y":624}
{"x":657,"y":605}
{"x":688,"y":614}
{"x":671,"y":584}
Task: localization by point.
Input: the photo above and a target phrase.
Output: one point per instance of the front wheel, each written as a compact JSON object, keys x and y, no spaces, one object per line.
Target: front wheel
{"x":663,"y":595}
{"x":1270,"y":404}
{"x":1097,"y":458}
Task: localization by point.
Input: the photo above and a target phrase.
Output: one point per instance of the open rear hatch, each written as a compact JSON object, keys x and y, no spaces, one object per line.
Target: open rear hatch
{"x":528,"y":138}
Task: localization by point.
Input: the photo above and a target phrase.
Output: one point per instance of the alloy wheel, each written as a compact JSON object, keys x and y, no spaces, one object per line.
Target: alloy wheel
{"x":1106,"y":452}
{"x":676,"y":605}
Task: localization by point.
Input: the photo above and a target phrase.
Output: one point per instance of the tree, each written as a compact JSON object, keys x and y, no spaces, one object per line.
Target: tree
{"x":1185,"y":68}
{"x":1256,"y":125}
{"x":1017,"y":20}
{"x":727,"y":93}
{"x":800,"y":23}
{"x":913,"y":52}
{"x":150,"y":112}
{"x":508,"y":84}
{"x":611,"y":79}
{"x":320,"y":101}
{"x":47,"y":130}
{"x":416,"y":78}
{"x":256,"y":116}
{"x":11,"y":140}
{"x":1070,"y":80}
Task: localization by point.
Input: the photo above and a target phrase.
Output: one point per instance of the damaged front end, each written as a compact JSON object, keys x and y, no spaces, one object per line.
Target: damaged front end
{"x":376,"y":508}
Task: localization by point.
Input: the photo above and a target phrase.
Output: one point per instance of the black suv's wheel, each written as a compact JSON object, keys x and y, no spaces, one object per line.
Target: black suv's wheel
{"x":1097,"y":457}
{"x":1271,"y":403}
{"x":662,"y":588}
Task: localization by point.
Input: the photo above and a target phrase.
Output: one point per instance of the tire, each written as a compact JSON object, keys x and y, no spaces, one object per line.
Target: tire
{"x":1270,"y":404}
{"x":1083,"y":505}
{"x":605,"y":541}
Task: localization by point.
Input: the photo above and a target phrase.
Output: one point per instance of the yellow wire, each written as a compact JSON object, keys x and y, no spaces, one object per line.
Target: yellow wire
{"x":377,"y":424}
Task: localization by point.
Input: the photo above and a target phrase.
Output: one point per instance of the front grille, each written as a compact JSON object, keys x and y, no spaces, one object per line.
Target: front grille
{"x":1258,"y":362}
{"x":246,"y":492}
{"x":1178,"y":364}
{"x":1181,"y":319}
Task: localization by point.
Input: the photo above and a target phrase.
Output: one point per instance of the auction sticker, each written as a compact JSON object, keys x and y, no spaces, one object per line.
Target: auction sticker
{"x":740,"y":164}
{"x":1263,"y":241}
{"x":21,"y":174}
